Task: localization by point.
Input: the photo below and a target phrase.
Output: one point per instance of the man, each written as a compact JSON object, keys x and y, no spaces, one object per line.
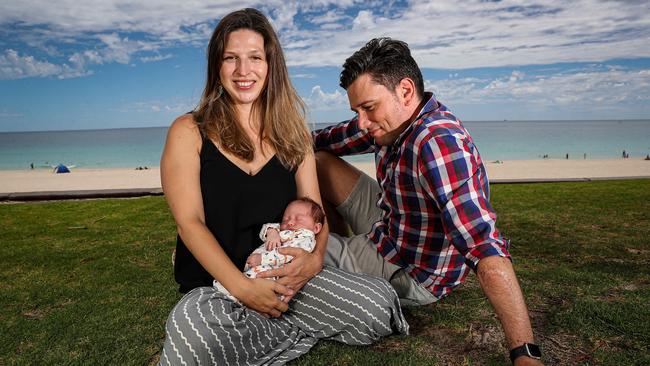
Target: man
{"x":429,"y":221}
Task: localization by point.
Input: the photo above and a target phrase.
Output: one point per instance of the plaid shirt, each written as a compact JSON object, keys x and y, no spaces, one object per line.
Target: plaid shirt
{"x":437,"y":219}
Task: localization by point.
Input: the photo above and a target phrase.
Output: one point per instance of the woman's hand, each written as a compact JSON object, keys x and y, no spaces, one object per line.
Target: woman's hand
{"x":296,"y":273}
{"x":263,"y":296}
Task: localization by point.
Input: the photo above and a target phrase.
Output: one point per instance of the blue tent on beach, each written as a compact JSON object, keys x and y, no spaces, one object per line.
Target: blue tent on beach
{"x":61,"y":169}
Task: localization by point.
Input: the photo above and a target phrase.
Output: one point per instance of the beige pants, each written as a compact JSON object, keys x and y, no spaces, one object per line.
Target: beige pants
{"x":358,"y":254}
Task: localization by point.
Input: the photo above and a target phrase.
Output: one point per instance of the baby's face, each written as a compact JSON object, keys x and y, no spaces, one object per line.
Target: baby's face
{"x":298,"y":216}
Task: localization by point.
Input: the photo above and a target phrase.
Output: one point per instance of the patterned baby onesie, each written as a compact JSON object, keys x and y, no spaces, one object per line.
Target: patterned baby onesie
{"x":271,"y":259}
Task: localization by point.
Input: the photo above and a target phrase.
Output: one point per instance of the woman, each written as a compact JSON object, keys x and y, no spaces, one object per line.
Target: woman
{"x":229,"y":167}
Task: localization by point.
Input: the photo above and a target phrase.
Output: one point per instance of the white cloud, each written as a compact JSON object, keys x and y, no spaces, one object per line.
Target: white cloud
{"x":8,"y":114}
{"x":156,"y":58}
{"x":156,"y":106}
{"x":161,"y":17}
{"x":473,"y":33}
{"x":330,"y":17}
{"x":320,"y":100}
{"x":331,"y":26}
{"x":282,"y":15}
{"x":303,"y":76}
{"x":442,"y":34}
{"x":100,"y":32}
{"x":16,"y":66}
{"x":363,"y":21}
{"x":589,"y":88}
{"x":117,"y":49}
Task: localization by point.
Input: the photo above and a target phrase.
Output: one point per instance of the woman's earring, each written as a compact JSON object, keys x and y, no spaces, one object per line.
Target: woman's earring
{"x":219,"y":92}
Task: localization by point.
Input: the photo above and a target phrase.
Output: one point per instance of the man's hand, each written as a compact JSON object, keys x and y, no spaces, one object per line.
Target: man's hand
{"x":527,"y":361}
{"x":295,"y":274}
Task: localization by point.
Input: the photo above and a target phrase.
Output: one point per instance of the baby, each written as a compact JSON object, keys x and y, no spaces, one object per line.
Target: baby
{"x":302,"y":220}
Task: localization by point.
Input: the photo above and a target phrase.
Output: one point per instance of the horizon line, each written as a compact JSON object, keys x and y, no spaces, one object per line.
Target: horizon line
{"x":333,"y":123}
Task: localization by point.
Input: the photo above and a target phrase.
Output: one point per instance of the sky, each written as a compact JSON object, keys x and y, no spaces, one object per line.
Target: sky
{"x":92,"y":64}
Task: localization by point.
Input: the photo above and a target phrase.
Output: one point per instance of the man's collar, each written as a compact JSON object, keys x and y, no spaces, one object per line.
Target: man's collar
{"x":430,"y":105}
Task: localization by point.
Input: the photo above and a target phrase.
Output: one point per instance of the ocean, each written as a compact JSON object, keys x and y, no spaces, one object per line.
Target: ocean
{"x":496,"y":140}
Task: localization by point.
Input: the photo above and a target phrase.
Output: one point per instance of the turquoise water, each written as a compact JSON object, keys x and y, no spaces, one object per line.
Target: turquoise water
{"x":496,"y":140}
{"x":114,"y":148}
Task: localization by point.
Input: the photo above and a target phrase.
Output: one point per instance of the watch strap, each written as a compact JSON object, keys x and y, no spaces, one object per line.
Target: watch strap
{"x":527,"y":349}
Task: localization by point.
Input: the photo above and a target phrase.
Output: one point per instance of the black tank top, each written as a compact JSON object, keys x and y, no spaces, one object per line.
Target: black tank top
{"x":236,"y":205}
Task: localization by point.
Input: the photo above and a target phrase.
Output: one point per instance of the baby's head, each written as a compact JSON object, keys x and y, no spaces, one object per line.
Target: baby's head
{"x":303,"y":213}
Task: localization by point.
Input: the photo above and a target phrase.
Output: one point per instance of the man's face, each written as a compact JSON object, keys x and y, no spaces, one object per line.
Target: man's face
{"x":380,"y":110}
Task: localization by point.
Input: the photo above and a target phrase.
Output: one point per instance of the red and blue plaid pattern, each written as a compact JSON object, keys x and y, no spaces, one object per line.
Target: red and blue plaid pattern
{"x":437,"y":219}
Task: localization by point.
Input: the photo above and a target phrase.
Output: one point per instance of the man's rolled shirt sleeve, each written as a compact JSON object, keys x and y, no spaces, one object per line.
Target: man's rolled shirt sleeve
{"x":449,"y":170}
{"x":345,"y":138}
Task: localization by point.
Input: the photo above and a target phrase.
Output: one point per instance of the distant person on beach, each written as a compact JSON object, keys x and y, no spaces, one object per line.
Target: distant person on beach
{"x":228,"y":167}
{"x":428,"y":222}
{"x":301,"y":221}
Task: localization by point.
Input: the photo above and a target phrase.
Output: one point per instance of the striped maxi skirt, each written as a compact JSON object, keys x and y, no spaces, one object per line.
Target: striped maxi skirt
{"x":206,"y":328}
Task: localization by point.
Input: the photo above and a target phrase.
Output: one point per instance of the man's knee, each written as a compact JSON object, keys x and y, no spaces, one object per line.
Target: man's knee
{"x":322,"y":159}
{"x":322,"y":156}
{"x":336,"y":177}
{"x":409,"y":292}
{"x":327,"y":165}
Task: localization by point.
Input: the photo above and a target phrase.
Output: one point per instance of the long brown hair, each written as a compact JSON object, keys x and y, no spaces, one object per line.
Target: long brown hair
{"x":281,"y":110}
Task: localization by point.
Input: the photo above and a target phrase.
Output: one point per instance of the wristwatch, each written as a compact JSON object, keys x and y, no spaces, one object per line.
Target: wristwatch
{"x":527,"y":349}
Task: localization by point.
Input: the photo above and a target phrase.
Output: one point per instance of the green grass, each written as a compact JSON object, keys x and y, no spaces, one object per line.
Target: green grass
{"x":90,"y":282}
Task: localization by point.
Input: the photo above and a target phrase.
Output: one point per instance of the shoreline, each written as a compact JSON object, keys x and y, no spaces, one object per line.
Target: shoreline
{"x":120,"y":179}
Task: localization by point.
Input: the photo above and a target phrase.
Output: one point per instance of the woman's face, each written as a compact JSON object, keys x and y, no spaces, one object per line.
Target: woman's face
{"x":244,"y":68}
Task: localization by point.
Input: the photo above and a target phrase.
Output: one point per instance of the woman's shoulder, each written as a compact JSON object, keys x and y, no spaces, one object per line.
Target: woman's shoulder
{"x":186,"y":121}
{"x":185,"y":129}
{"x":185,"y":124}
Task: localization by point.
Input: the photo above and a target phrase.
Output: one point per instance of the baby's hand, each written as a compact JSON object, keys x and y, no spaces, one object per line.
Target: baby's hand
{"x":254,"y":259}
{"x":273,"y":239}
{"x":272,"y":244}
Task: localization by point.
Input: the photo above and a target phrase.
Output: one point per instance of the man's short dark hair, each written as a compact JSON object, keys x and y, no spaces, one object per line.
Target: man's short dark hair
{"x":387,"y":61}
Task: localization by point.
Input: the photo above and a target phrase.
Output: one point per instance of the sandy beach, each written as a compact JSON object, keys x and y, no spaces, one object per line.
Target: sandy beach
{"x":39,"y":180}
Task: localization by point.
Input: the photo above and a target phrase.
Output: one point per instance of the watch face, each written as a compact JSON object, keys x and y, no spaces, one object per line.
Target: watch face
{"x":533,"y":350}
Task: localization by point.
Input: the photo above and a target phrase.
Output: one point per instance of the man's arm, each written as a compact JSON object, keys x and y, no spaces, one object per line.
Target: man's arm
{"x":450,"y":171}
{"x":500,"y":285}
{"x":344,"y":138}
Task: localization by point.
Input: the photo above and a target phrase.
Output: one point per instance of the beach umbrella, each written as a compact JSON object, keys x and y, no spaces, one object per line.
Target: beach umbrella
{"x":61,"y":169}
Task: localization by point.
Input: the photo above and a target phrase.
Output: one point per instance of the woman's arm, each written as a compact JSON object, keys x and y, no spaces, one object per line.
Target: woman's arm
{"x":305,"y":265}
{"x":179,"y":171}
